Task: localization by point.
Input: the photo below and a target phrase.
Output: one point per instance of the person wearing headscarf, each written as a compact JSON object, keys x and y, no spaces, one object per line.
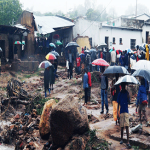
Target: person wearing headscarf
{"x":147,"y":52}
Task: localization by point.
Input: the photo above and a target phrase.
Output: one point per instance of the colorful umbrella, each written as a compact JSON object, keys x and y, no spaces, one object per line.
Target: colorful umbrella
{"x":58,"y":42}
{"x":45,"y":64}
{"x":17,"y":42}
{"x":52,"y":45}
{"x":50,"y":57}
{"x":100,"y":62}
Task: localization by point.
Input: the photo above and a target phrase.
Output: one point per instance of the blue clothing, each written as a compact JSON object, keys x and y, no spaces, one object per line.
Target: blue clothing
{"x":120,"y":60}
{"x":141,"y":95}
{"x":85,"y":81}
{"x":126,"y":60}
{"x":146,"y":85}
{"x":122,"y":100}
{"x":104,"y":98}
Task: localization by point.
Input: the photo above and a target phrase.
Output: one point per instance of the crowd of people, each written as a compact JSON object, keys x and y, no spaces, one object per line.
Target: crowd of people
{"x":120,"y":96}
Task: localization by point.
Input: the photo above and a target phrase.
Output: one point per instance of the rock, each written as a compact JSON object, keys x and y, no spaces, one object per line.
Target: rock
{"x":17,"y":116}
{"x":77,"y":143}
{"x":12,"y":120}
{"x":44,"y":125}
{"x":67,"y":118}
{"x":11,"y":127}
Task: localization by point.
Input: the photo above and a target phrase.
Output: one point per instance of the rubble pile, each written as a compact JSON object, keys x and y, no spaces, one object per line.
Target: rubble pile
{"x":22,"y":128}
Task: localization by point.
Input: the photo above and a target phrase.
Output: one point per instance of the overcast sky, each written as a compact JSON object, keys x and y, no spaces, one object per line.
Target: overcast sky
{"x":65,"y":5}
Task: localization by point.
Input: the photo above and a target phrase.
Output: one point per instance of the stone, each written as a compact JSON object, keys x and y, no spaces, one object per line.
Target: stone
{"x":17,"y":116}
{"x":11,"y":127}
{"x":67,"y":118}
{"x":44,"y":125}
{"x":12,"y":120}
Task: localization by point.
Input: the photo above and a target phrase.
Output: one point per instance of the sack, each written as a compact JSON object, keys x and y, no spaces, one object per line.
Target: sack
{"x":144,"y":102}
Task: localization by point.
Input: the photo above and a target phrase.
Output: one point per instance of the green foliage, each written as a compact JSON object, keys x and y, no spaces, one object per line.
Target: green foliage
{"x":10,"y":10}
{"x":96,"y":144}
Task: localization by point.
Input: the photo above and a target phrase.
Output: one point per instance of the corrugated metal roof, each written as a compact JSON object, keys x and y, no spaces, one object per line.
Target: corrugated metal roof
{"x":46,"y":24}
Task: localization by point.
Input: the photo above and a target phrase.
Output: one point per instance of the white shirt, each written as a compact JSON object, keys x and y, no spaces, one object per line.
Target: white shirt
{"x":113,"y":56}
{"x":67,"y":64}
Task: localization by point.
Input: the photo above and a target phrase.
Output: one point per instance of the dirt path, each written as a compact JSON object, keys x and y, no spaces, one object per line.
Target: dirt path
{"x":63,"y":87}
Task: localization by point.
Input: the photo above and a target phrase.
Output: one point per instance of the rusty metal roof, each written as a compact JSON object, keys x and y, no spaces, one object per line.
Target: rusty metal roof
{"x":48,"y":24}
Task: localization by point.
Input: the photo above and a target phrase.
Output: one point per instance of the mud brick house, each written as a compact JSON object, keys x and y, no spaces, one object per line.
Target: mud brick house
{"x":8,"y":35}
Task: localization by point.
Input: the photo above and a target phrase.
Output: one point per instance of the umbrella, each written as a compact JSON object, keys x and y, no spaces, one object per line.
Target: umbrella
{"x":86,"y":51}
{"x":58,"y":42}
{"x":141,"y":64}
{"x":93,"y":50}
{"x":142,"y":73}
{"x":50,"y":57}
{"x":129,"y":51}
{"x":118,"y":51}
{"x":102,"y":45}
{"x":54,"y":53}
{"x":56,"y":36}
{"x":112,"y":70}
{"x":52,"y":45}
{"x":45,"y":64}
{"x":70,"y":44}
{"x":127,"y":79}
{"x":17,"y":42}
{"x":100,"y":62}
{"x":23,"y":42}
{"x":141,"y":48}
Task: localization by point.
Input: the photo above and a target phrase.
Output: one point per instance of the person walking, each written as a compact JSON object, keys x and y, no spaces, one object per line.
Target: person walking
{"x":88,"y":62}
{"x":46,"y":81}
{"x":147,"y":52}
{"x":89,"y":84}
{"x":51,"y":76}
{"x":142,"y":100}
{"x":108,"y":56}
{"x":123,"y":100}
{"x":113,"y":57}
{"x":70,"y":63}
{"x":78,"y":63}
{"x":104,"y":87}
{"x":85,"y":86}
{"x":126,"y":60}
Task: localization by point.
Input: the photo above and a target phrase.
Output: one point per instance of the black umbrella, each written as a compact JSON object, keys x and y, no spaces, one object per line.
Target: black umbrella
{"x":142,"y":73}
{"x":111,"y":71}
{"x":72,"y":44}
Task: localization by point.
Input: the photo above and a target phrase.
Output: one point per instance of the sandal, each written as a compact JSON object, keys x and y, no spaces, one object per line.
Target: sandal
{"x":128,"y":146}
{"x":121,"y":142}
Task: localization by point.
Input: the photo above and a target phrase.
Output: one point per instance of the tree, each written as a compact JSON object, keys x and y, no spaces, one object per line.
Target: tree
{"x":48,"y":14}
{"x":10,"y":10}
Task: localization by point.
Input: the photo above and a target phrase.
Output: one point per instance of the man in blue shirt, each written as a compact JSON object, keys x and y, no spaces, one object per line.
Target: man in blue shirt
{"x":123,"y":100}
{"x":85,"y":85}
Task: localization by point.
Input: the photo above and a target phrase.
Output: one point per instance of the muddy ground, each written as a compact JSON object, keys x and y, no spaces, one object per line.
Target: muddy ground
{"x":104,"y":124}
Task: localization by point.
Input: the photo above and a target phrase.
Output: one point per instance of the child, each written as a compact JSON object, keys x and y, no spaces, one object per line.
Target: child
{"x":123,"y":99}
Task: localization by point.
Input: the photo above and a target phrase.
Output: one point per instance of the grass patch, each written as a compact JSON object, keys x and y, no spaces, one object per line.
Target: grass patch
{"x":27,"y":76}
{"x":39,"y":103}
{"x":96,"y":144}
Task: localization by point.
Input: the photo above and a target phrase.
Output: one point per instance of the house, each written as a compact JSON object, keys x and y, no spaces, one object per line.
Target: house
{"x":121,"y":33}
{"x":8,"y":35}
{"x":46,"y":27}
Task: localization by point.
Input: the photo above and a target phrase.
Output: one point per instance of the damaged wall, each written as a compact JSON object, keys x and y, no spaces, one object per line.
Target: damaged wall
{"x":82,"y":42}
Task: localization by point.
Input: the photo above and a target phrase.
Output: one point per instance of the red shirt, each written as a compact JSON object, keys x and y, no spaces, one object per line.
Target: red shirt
{"x":89,"y":79}
{"x":101,"y":55}
{"x":78,"y":60}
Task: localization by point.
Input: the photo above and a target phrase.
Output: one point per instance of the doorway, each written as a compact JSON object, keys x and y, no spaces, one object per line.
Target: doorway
{"x":2,"y":45}
{"x":106,"y":41}
{"x":147,"y":35}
